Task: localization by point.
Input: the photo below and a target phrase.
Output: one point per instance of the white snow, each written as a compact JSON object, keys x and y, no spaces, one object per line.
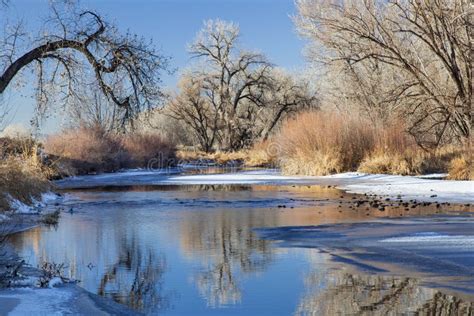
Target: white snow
{"x":40,"y":301}
{"x":412,"y":187}
{"x":423,"y":188}
{"x":438,"y":240}
{"x":21,"y":208}
{"x":245,"y":177}
{"x":55,"y":282}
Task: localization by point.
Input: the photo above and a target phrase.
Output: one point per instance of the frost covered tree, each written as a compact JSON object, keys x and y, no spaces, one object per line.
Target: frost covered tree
{"x":75,"y":49}
{"x":412,"y":58}
{"x":232,"y":96}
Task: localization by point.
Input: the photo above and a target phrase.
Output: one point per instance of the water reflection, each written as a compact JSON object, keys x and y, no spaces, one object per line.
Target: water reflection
{"x":194,"y":250}
{"x":226,"y":246}
{"x":135,"y":279}
{"x":357,"y":294}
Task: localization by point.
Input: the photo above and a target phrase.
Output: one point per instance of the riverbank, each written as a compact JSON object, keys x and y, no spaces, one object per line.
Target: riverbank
{"x":428,"y":188}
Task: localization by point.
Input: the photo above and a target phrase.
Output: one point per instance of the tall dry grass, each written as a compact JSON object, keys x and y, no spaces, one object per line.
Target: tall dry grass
{"x":321,"y":143}
{"x":86,"y":150}
{"x":140,"y":148}
{"x":23,"y":176}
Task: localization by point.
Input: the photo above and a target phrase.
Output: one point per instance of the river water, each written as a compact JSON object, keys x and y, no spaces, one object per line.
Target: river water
{"x":256,"y":250}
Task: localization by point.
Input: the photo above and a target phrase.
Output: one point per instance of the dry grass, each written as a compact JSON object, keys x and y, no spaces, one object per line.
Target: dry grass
{"x":89,"y":150}
{"x":141,"y":148}
{"x":22,"y":180}
{"x":321,"y":143}
{"x":85,"y":150}
{"x":462,"y":168}
{"x":262,"y":154}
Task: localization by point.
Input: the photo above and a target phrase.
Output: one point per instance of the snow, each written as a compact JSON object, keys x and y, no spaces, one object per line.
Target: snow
{"x":421,"y":188}
{"x":22,"y":208}
{"x":43,"y":301}
{"x":424,"y":188}
{"x":244,"y":177}
{"x":55,"y":282}
{"x":435,"y":239}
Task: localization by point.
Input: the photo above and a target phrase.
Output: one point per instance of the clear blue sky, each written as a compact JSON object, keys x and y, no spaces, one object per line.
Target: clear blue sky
{"x":265,"y":26}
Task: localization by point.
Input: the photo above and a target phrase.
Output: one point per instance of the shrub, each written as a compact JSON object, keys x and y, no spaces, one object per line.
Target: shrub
{"x":21,"y":180}
{"x":320,"y":143}
{"x":86,"y":150}
{"x":461,"y":168}
{"x":141,"y":148}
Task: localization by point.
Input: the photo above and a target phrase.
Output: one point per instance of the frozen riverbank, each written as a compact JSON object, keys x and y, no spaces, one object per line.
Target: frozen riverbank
{"x":409,"y":187}
{"x":65,"y":299}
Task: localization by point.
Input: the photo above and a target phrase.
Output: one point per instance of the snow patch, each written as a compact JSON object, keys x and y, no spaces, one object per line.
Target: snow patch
{"x":434,"y":239}
{"x":412,"y":187}
{"x":55,"y":282}
{"x":44,"y":301}
{"x":19,"y":207}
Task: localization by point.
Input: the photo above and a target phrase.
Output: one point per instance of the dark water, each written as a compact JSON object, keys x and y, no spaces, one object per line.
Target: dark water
{"x":194,"y":250}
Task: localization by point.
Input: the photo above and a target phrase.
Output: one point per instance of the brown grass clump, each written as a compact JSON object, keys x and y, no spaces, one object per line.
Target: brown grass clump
{"x":461,"y":168}
{"x":262,"y":154}
{"x":396,"y":152}
{"x":141,"y":148}
{"x":86,"y":149}
{"x":21,"y":180}
{"x":321,"y":143}
{"x":89,"y":150}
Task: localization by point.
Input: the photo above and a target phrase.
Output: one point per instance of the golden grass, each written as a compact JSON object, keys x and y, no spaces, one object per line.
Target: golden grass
{"x":85,"y":150}
{"x":462,"y":168}
{"x":321,"y":143}
{"x":262,"y":154}
{"x":21,"y":179}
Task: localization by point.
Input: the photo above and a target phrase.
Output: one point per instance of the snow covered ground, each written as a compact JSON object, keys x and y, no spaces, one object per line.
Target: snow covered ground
{"x":423,"y":188}
{"x":19,"y":207}
{"x":67,"y":299}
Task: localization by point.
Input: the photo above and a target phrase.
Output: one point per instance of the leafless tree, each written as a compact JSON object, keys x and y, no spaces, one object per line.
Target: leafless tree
{"x":422,"y":51}
{"x":233,"y":96}
{"x":76,"y":48}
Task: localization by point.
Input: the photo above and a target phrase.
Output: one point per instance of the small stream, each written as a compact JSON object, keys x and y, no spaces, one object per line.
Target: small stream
{"x":227,"y":249}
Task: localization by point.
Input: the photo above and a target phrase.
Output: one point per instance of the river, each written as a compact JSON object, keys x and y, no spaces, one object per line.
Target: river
{"x":254,"y":249}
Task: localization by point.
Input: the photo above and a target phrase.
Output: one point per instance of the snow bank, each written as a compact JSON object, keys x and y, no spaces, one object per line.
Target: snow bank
{"x":39,"y":301}
{"x":21,"y":208}
{"x":244,"y":177}
{"x":421,"y":188}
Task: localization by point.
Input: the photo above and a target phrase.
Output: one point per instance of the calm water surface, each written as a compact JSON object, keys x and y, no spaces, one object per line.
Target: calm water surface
{"x":195,"y":250}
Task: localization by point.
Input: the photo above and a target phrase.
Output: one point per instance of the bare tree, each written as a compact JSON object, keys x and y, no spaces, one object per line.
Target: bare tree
{"x":77,"y":48}
{"x":196,"y":111}
{"x":423,"y":48}
{"x":234,"y":97}
{"x":230,"y":77}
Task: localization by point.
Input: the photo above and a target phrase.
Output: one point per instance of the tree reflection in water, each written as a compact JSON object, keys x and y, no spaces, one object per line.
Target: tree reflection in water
{"x":135,"y":279}
{"x":227,"y":247}
{"x":353,"y":294}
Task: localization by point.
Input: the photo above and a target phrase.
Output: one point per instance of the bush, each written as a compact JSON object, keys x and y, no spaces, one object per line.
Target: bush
{"x":86,"y":150}
{"x":141,"y":148}
{"x":462,"y":168}
{"x":21,"y":180}
{"x":320,"y":143}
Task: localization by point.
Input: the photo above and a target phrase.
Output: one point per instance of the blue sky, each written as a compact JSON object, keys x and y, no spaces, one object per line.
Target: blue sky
{"x":265,"y":26}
